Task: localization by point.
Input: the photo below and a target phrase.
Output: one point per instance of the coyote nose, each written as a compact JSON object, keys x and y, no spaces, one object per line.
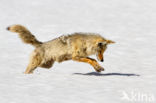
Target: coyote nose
{"x":102,"y":60}
{"x":8,"y":28}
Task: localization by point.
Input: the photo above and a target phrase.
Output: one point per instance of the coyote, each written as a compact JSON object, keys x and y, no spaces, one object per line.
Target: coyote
{"x":76,"y":46}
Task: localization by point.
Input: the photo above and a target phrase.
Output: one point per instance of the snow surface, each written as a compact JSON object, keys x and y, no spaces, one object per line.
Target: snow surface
{"x":130,"y":65}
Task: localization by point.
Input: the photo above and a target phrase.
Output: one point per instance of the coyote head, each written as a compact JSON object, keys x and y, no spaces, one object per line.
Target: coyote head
{"x":101,"y":47}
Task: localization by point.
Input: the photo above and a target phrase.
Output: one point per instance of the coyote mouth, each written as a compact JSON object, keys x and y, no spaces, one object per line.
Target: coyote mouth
{"x":101,"y":60}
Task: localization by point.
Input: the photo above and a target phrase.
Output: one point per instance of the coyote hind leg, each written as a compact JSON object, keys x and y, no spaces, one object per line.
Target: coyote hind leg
{"x":33,"y":64}
{"x":48,"y":64}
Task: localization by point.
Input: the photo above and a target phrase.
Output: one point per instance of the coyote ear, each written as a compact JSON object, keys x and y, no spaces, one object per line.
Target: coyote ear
{"x":110,"y":42}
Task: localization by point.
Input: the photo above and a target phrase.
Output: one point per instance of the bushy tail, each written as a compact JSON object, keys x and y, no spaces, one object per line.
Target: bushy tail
{"x":25,"y":35}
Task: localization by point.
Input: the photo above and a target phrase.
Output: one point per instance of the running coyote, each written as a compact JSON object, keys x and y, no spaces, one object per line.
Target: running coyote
{"x":77,"y":46}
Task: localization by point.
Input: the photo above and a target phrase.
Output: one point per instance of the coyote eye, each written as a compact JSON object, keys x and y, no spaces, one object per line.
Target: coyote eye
{"x":100,"y":44}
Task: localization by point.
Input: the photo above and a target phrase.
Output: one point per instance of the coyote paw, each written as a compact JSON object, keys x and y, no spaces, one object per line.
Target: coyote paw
{"x":98,"y":68}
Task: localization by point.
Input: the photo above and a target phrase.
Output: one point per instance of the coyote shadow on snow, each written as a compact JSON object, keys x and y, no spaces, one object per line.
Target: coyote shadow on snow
{"x":107,"y":74}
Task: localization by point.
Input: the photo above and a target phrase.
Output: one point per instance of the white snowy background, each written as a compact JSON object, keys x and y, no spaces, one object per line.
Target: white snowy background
{"x":130,"y":64}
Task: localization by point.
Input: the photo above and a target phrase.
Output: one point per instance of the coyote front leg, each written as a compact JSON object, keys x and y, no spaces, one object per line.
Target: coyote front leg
{"x":91,"y":61}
